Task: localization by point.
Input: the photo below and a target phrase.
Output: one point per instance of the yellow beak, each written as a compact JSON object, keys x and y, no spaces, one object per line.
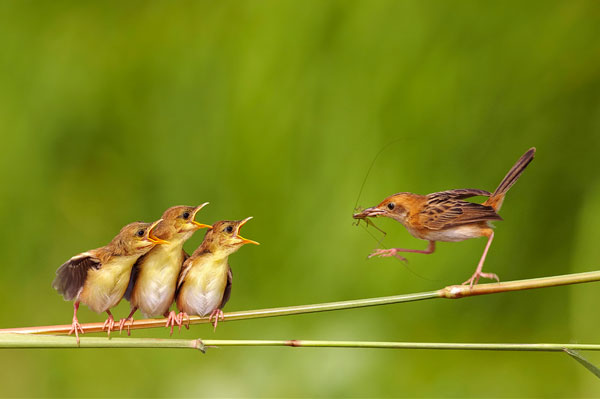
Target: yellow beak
{"x":200,"y":225}
{"x":150,"y":234}
{"x":245,"y":240}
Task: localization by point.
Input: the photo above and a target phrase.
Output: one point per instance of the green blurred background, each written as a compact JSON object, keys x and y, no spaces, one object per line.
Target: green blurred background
{"x":111,"y":112}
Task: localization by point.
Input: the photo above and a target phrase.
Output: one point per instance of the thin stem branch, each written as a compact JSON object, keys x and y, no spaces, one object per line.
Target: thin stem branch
{"x":31,"y":341}
{"x":23,"y":341}
{"x":404,"y":345}
{"x":450,"y":292}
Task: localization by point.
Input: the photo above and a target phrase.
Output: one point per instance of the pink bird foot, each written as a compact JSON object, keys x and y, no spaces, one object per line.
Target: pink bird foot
{"x":122,"y":323}
{"x":217,"y":314}
{"x":109,"y":324}
{"x":384,"y":253}
{"x":128,"y":319}
{"x":477,"y":275}
{"x":172,"y":320}
{"x":76,"y":327}
{"x":180,"y":318}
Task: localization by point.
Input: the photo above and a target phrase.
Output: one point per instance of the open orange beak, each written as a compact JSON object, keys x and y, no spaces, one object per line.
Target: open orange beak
{"x":150,"y":234}
{"x":244,"y":240}
{"x":200,"y":225}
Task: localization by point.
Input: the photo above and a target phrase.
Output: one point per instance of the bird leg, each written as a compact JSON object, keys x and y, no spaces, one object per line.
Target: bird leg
{"x":217,"y":313}
{"x":180,"y":317}
{"x":394,"y":251}
{"x":475,"y":277}
{"x":173,"y":319}
{"x":109,"y":324}
{"x":75,"y":326}
{"x":128,"y":319}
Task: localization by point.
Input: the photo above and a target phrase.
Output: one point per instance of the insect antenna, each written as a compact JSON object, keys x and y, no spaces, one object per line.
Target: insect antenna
{"x":362,"y":186}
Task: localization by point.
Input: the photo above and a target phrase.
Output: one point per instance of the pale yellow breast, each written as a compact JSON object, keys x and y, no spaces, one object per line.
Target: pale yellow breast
{"x":157,"y":279}
{"x":204,"y":286}
{"x":104,"y":287}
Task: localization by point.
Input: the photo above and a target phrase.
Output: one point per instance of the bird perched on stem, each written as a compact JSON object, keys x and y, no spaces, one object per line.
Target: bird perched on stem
{"x":204,"y":286}
{"x":99,"y":278}
{"x":154,"y":276}
{"x":444,"y":216}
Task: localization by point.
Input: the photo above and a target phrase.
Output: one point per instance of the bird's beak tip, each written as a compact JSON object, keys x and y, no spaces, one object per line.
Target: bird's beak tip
{"x":201,"y":225}
{"x":367,"y":213}
{"x":243,"y":222}
{"x":198,"y":224}
{"x":201,"y":206}
{"x":245,"y":240}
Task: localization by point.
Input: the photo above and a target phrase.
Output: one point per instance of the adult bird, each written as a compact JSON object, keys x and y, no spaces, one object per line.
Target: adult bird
{"x":445,"y":216}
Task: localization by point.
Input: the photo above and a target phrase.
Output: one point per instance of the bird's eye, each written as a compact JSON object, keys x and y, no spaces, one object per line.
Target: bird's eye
{"x":229,"y":229}
{"x":185,"y":215}
{"x":140,"y":233}
{"x":391,"y":206}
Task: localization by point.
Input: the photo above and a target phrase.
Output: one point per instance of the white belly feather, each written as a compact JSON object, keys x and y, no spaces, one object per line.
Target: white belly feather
{"x":104,"y":288}
{"x":458,"y":233}
{"x":202,"y":303}
{"x":156,"y":282}
{"x":203,"y":289}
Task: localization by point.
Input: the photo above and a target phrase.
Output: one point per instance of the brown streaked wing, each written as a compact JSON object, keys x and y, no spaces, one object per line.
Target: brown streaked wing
{"x":452,"y":213}
{"x":227,"y":293}
{"x":71,"y":276}
{"x":460,"y":193}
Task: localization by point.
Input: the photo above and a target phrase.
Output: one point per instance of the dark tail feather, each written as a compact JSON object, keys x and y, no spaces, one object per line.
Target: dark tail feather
{"x":511,"y":177}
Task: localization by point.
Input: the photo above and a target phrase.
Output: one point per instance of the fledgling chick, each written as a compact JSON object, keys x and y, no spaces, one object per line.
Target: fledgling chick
{"x":99,"y":278}
{"x":204,"y":286}
{"x":154,"y":277}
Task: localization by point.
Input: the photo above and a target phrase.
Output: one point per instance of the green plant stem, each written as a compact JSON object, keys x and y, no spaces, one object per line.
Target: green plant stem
{"x":31,"y":341}
{"x":450,"y":292}
{"x":22,"y":341}
{"x":404,"y":345}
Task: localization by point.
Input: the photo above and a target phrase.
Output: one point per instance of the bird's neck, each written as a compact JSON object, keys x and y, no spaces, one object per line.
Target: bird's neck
{"x":175,"y":242}
{"x":215,"y":253}
{"x":178,"y":238}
